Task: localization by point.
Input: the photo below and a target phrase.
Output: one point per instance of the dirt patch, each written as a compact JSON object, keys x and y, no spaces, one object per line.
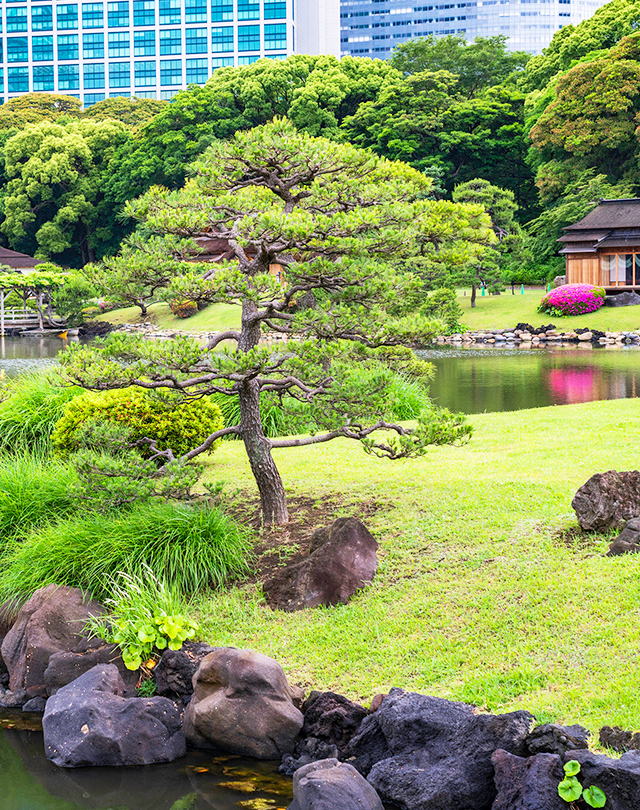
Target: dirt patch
{"x":576,"y":538}
{"x":277,"y":547}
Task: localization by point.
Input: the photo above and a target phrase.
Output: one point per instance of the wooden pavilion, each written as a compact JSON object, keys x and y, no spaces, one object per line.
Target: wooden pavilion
{"x":604,"y":247}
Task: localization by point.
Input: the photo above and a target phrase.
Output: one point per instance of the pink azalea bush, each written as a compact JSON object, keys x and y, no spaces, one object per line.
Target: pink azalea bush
{"x":572,"y":299}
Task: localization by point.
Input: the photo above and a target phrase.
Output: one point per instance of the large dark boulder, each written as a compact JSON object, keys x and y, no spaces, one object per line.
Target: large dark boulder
{"x":330,"y":721}
{"x":90,"y":722}
{"x":552,"y":739}
{"x":527,"y":784}
{"x":65,"y":667}
{"x":176,"y":668}
{"x":242,"y":703}
{"x":618,"y":739}
{"x":342,"y":560}
{"x":623,"y":299}
{"x":426,"y":753}
{"x":608,"y":500}
{"x":52,"y":621}
{"x":628,"y":541}
{"x":332,"y":785}
{"x":618,"y":778}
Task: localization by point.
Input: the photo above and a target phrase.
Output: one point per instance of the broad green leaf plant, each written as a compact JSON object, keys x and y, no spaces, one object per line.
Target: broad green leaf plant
{"x":570,"y":789}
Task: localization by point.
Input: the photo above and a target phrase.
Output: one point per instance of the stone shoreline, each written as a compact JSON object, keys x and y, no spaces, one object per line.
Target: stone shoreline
{"x":524,"y":336}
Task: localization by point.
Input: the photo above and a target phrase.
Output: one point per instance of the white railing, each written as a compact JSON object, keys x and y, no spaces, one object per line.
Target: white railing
{"x":18,"y":316}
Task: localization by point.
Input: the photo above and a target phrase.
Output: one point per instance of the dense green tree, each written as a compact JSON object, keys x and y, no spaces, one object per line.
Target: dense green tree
{"x":131,"y":111}
{"x":478,"y":65}
{"x":54,"y":202}
{"x":508,"y":245}
{"x":31,"y":108}
{"x":591,"y":122}
{"x":331,"y":215}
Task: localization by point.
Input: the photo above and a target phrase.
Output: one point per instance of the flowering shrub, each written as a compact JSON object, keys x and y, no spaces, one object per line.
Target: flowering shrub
{"x":184,"y":309}
{"x":572,"y":299}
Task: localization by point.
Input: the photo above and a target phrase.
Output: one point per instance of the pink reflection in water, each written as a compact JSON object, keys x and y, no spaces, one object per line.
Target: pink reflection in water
{"x":569,"y":385}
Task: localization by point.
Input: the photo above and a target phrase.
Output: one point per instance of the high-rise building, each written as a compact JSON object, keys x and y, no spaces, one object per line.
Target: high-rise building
{"x":150,"y":48}
{"x":375,"y":27}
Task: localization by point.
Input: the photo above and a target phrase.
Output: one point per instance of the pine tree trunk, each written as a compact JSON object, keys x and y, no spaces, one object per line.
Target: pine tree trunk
{"x":473,"y":295}
{"x":273,"y":501}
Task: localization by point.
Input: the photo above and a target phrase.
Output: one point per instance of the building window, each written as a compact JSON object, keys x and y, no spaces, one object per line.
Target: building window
{"x":41,"y":18}
{"x":275,"y":10}
{"x":1,"y":80}
{"x":170,"y":72}
{"x":275,"y":37}
{"x":18,"y":49}
{"x":195,"y":11}
{"x":248,"y":10}
{"x":197,"y":71}
{"x":118,"y":15}
{"x":119,"y":74}
{"x":67,"y":17}
{"x":41,"y":49}
{"x":42,"y":78}
{"x":93,"y":46}
{"x":144,"y":43}
{"x":221,"y":61}
{"x":118,"y":44}
{"x":620,"y":270}
{"x":248,"y":37}
{"x":68,"y":77}
{"x":67,"y":46}
{"x":93,"y":77}
{"x":170,"y":42}
{"x":144,"y":12}
{"x":17,"y":19}
{"x":196,"y":40}
{"x":222,"y":39}
{"x":92,"y":98}
{"x":170,"y":12}
{"x":92,"y":15}
{"x":18,"y":79}
{"x":1,"y":51}
{"x":247,"y":60}
{"x":145,"y":74}
{"x":221,"y":10}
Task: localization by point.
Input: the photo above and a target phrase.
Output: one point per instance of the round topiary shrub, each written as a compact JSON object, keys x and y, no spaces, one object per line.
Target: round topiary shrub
{"x":179,"y":426}
{"x":572,"y":299}
{"x":184,"y":309}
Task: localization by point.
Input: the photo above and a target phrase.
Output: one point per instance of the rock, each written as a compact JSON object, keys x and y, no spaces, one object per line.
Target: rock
{"x":36,"y":705}
{"x":585,"y":336}
{"x":343,"y":559}
{"x":332,"y":785}
{"x":330,"y":721}
{"x":65,"y":667}
{"x":623,"y":299}
{"x":4,"y":673}
{"x":619,"y":740}
{"x":242,"y":703}
{"x":89,"y":722}
{"x":176,"y":668}
{"x":527,"y":784}
{"x":608,"y":500}
{"x":52,"y":621}
{"x":628,"y":541}
{"x":553,"y":739}
{"x":618,"y":778}
{"x":426,"y":753}
{"x":14,"y":700}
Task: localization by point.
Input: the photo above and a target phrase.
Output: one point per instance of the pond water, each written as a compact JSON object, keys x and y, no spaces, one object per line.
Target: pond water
{"x":21,"y":354}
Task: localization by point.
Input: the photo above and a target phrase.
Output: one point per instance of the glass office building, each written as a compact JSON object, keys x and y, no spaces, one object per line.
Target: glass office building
{"x":375,"y":27}
{"x":146,"y":48}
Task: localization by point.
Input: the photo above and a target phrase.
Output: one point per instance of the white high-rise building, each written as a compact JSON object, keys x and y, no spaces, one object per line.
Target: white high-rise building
{"x":375,"y":27}
{"x":150,"y":48}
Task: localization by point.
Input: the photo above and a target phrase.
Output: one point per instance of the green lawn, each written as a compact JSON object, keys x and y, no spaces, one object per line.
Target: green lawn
{"x":506,"y":310}
{"x":477,"y":598}
{"x":215,"y":318}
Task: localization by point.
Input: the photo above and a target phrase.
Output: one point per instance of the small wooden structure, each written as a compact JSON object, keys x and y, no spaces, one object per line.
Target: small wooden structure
{"x":604,"y":247}
{"x":215,"y":249}
{"x":18,"y":263}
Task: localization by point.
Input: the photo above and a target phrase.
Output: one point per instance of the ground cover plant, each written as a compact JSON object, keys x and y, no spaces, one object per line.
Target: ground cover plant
{"x":482,"y":594}
{"x":572,"y":299}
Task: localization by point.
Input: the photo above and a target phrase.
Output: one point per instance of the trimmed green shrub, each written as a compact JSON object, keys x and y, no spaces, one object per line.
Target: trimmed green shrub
{"x":184,"y":309}
{"x":33,"y":492}
{"x":179,"y":426}
{"x":32,"y":406}
{"x":190,"y":547}
{"x":443,"y":305}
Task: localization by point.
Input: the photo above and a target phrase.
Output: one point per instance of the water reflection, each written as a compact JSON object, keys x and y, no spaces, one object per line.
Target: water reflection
{"x":22,"y":354}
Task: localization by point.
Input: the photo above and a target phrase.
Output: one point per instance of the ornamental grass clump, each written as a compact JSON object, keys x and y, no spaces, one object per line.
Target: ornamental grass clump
{"x":572,"y":299}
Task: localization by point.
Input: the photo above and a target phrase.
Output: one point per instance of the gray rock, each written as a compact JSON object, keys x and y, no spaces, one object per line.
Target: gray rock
{"x":65,"y":667}
{"x":553,"y":739}
{"x":90,"y":722}
{"x":176,"y":668}
{"x":36,"y":705}
{"x":559,"y":281}
{"x":618,"y":739}
{"x":52,"y":621}
{"x":13,"y":700}
{"x":618,"y":778}
{"x":623,"y":299}
{"x":628,"y":541}
{"x":608,"y":500}
{"x":242,"y":703}
{"x":426,"y":753}
{"x":343,"y":560}
{"x":527,"y":784}
{"x":332,"y":785}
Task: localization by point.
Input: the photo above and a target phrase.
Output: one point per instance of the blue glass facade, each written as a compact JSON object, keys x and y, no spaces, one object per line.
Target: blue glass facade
{"x":149,"y":48}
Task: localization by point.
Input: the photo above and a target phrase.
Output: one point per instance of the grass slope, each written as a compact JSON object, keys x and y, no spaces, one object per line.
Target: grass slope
{"x":477,"y":598}
{"x":506,"y":310}
{"x":215,"y":318}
